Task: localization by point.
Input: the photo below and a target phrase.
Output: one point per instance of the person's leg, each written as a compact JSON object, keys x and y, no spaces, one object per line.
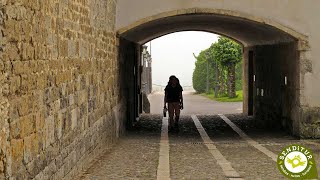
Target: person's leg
{"x":177,"y":113}
{"x":171,"y":112}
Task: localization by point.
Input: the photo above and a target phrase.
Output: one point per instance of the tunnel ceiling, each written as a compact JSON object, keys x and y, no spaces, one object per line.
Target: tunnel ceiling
{"x":245,"y":31}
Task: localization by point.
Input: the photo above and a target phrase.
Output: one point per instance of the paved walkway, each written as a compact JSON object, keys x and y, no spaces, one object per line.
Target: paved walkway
{"x":206,"y":147}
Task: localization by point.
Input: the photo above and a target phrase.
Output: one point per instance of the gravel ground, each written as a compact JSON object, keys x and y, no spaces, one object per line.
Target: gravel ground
{"x":134,"y":157}
{"x":260,"y":134}
{"x":189,"y":157}
{"x":249,"y":162}
{"x":273,"y":139}
{"x":218,"y":130}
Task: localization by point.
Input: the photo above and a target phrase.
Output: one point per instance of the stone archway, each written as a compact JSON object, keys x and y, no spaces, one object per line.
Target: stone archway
{"x":274,"y":102}
{"x":230,"y":13}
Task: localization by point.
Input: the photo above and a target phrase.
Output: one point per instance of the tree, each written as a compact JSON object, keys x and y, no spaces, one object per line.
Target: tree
{"x":225,"y":75}
{"x":228,"y":53}
{"x":199,"y":77}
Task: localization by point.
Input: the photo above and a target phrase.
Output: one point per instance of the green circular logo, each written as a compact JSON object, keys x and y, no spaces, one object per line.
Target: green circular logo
{"x":297,"y":162}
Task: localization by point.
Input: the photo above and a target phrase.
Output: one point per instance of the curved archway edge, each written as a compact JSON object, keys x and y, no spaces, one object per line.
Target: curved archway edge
{"x":288,"y":30}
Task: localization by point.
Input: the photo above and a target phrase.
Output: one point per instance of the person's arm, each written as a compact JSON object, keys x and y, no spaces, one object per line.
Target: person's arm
{"x":181,"y":100}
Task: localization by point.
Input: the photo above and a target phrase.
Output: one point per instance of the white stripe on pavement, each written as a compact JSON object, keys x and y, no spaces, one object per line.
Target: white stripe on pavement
{"x":163,"y":172}
{"x":221,"y":160}
{"x":250,"y":141}
{"x":311,"y":142}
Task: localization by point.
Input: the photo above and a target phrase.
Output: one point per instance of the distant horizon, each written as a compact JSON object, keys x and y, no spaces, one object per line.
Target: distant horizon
{"x":176,"y":50}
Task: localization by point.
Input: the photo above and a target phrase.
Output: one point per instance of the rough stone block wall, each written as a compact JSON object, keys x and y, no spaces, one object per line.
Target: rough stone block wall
{"x":58,"y":85}
{"x":4,"y":103}
{"x":310,"y":122}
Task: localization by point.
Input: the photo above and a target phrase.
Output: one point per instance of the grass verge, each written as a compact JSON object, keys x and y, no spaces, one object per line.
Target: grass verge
{"x":238,"y":98}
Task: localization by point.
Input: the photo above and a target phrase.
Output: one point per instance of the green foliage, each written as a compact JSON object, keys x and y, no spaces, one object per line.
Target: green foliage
{"x":220,"y":56}
{"x":199,"y":77}
{"x":239,"y":76}
{"x":238,"y":98}
{"x":226,"y":51}
{"x":199,"y":74}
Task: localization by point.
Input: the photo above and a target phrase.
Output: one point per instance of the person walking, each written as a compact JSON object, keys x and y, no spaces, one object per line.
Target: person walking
{"x":173,"y":96}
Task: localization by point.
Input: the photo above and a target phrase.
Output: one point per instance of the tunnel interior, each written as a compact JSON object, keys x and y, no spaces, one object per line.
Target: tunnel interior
{"x":270,"y":64}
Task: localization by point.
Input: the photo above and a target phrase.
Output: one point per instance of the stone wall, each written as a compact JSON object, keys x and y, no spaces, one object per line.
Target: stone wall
{"x":310,"y":122}
{"x":59,"y":97}
{"x":4,"y":103}
{"x":277,"y":103}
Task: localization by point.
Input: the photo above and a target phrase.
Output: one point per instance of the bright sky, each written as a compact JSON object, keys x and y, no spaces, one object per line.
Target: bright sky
{"x":172,"y":55}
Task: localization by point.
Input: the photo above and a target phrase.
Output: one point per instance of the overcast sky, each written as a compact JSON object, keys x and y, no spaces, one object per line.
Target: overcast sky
{"x":172,"y":55}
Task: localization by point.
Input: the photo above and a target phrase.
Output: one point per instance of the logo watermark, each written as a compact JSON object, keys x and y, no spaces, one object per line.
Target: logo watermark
{"x":297,"y":162}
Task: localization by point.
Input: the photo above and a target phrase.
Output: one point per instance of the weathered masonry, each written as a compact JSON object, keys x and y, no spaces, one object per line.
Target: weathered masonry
{"x":59,"y":89}
{"x":70,"y":72}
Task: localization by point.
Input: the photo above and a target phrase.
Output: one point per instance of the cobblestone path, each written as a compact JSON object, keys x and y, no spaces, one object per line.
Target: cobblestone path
{"x":189,"y":157}
{"x":136,"y":156}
